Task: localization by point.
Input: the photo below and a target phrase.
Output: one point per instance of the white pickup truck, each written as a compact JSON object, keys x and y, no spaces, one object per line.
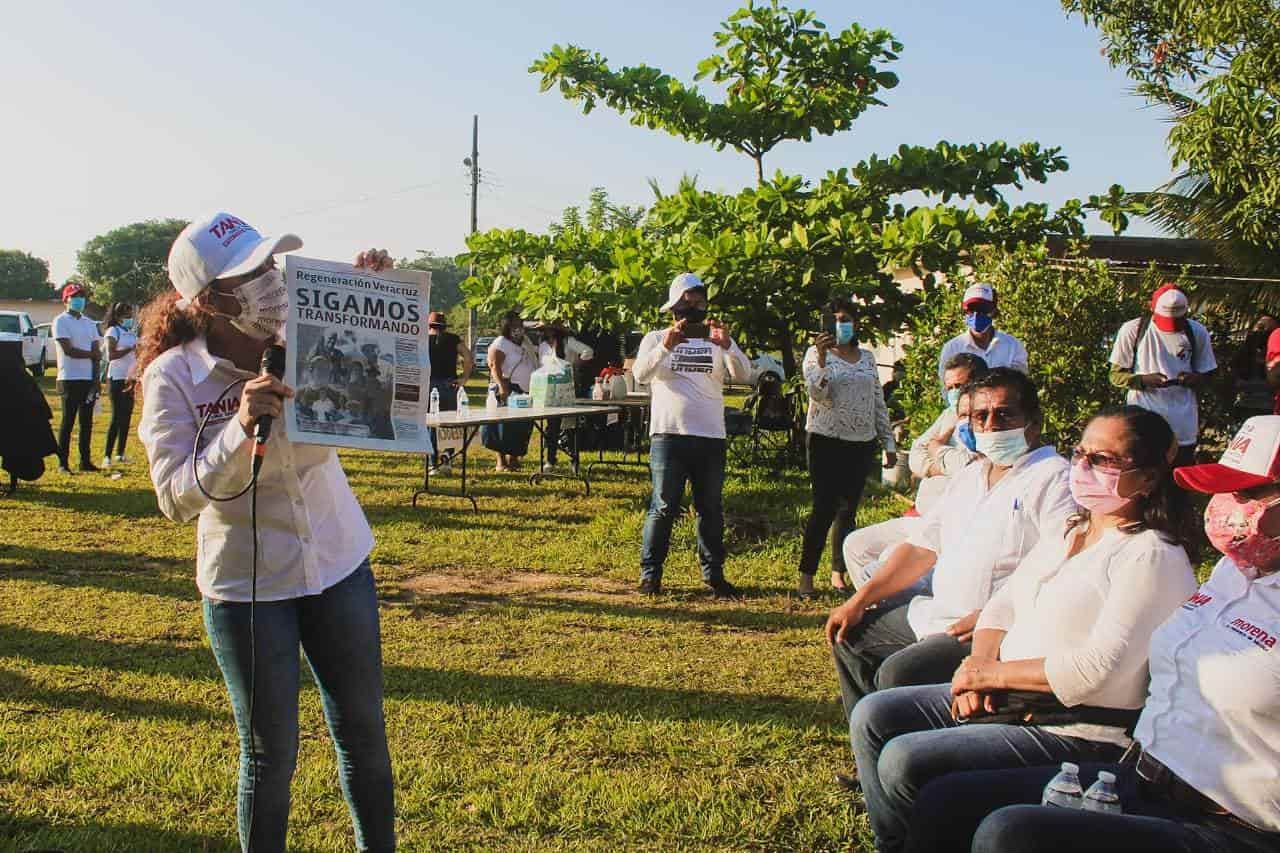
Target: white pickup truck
{"x":17,"y":326}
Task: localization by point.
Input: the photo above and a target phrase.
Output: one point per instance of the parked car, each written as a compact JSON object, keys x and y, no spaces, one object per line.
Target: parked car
{"x":51,"y":347}
{"x":16,"y":326}
{"x":481,"y":353}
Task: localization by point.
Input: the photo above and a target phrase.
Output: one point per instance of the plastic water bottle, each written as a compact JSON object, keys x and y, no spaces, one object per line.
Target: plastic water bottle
{"x":1102,"y":795}
{"x":435,"y":401}
{"x":491,"y":402}
{"x":464,"y":403}
{"x":1064,"y":789}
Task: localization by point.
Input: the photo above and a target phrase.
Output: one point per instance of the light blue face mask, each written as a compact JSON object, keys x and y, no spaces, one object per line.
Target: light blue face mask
{"x":844,"y":333}
{"x":76,"y":303}
{"x":953,"y":397}
{"x":1003,"y":447}
{"x":127,"y":324}
{"x":964,"y":432}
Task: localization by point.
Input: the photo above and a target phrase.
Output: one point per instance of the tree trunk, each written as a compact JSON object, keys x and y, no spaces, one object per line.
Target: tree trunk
{"x":788,"y":352}
{"x":759,"y":158}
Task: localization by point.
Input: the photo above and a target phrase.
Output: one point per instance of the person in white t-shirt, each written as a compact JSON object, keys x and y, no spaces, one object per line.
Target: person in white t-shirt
{"x":1162,"y":358}
{"x":511,"y":364}
{"x":1058,"y":670}
{"x":996,"y":348}
{"x":685,"y":366}
{"x":122,"y":339}
{"x":1201,"y":772}
{"x":78,"y":342}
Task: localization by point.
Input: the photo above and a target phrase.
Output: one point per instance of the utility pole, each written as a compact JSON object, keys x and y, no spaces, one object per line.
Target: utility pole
{"x":474,"y":163}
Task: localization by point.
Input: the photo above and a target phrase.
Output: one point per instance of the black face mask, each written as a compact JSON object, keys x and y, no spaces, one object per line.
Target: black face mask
{"x":693,"y":315}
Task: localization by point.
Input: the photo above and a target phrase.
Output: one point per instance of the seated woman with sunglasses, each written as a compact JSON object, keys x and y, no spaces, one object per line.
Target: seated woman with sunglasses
{"x":1058,"y":670}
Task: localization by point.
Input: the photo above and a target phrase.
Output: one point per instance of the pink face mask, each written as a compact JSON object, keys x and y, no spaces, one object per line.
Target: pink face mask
{"x":1232,"y":528}
{"x":1096,"y":489}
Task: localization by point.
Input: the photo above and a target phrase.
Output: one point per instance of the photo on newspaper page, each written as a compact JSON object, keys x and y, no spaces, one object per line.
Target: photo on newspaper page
{"x":356,"y":344}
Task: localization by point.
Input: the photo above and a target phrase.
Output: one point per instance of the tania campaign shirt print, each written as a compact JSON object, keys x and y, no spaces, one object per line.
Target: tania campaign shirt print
{"x":686,"y":383}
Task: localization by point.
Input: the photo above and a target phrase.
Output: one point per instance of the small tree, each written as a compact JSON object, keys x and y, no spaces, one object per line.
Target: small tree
{"x":24,"y":276}
{"x":128,"y":264}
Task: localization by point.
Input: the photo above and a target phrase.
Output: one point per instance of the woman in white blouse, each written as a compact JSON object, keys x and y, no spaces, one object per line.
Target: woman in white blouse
{"x":118,"y":329}
{"x":847,"y":417}
{"x":1059,"y":662}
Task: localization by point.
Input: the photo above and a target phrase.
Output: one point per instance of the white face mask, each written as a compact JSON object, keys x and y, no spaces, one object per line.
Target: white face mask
{"x":264,"y":306}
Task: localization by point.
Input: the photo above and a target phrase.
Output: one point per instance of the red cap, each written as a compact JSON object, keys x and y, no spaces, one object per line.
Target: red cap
{"x":1251,"y":459}
{"x":1168,"y":307}
{"x":436,"y":318}
{"x":71,"y":289}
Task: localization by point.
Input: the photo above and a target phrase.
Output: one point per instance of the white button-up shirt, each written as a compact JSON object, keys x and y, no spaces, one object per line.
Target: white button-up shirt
{"x":1003,"y":351}
{"x":846,"y":400}
{"x":981,"y":534}
{"x":1091,"y":617}
{"x":311,"y":531}
{"x":1213,"y":716}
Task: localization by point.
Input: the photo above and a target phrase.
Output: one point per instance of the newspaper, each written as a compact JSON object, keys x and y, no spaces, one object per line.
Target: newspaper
{"x":357,"y":356}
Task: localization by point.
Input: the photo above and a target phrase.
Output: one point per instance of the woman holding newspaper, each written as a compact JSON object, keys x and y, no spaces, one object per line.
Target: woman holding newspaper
{"x":313,"y":584}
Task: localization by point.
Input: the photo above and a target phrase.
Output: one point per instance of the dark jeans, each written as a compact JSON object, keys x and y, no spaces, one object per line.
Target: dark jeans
{"x":339,"y":633}
{"x":448,"y":403}
{"x":121,"y":414}
{"x":904,"y":738}
{"x":882,"y":651}
{"x":998,"y":811}
{"x":551,"y":439}
{"x":838,"y":471}
{"x":672,"y":460}
{"x":77,"y":400}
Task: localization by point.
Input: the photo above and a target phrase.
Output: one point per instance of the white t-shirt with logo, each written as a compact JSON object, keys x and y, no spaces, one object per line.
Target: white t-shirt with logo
{"x":81,"y":332}
{"x":120,"y":368}
{"x":1168,"y":353}
{"x":686,"y":384}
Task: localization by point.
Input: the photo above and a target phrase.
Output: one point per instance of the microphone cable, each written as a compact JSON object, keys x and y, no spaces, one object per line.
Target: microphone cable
{"x":252,"y":489}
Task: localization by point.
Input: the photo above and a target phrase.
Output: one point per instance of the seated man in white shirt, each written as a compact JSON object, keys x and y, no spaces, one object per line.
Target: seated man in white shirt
{"x":991,"y":515}
{"x":940,"y":452}
{"x":997,"y":349}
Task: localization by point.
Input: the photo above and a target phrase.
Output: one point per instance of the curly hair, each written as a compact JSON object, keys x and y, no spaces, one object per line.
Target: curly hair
{"x":165,"y":326}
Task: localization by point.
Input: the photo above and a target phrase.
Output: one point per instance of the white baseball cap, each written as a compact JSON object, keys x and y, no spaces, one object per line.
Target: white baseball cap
{"x":1251,"y":459}
{"x":679,"y":284}
{"x":980,"y":292}
{"x":220,"y":246}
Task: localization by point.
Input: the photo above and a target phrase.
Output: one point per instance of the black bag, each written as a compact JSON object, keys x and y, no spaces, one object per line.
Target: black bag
{"x":1030,"y":708}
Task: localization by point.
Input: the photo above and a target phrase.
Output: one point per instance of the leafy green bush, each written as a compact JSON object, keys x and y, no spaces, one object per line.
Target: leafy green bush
{"x":1066,"y":318}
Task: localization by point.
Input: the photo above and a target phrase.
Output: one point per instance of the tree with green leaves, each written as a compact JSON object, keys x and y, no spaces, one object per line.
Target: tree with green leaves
{"x":128,"y":264}
{"x":1215,"y":65}
{"x":24,"y":276}
{"x":785,"y":78}
{"x":772,"y":254}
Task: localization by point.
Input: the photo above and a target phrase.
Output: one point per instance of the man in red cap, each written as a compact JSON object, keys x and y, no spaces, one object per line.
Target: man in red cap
{"x":1162,"y":358}
{"x":445,"y":349}
{"x":79,"y":340}
{"x":994,"y":347}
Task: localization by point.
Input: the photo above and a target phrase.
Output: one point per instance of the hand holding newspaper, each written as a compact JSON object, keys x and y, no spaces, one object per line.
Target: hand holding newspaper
{"x":357,"y":359}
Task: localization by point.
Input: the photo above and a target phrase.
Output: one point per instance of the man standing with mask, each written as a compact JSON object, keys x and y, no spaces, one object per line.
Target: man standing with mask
{"x":685,"y":367}
{"x":80,"y":342}
{"x":990,"y":517}
{"x":997,"y":349}
{"x":1162,"y":359}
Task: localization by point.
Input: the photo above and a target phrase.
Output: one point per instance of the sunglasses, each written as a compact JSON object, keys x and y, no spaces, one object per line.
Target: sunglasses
{"x":1105,"y":461}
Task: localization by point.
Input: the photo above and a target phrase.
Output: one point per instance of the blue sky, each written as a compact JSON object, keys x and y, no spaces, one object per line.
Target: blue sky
{"x":347,"y":123}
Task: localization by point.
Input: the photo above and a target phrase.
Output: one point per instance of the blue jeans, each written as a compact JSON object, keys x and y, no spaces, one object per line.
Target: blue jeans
{"x":905,"y":737}
{"x":338,"y":631}
{"x":998,"y":811}
{"x":672,"y":460}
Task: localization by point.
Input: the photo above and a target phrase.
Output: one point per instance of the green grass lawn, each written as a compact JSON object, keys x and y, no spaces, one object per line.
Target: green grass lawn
{"x":534,"y":701}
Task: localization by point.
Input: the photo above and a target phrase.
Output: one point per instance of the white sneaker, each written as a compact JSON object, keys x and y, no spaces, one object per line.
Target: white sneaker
{"x":105,"y":463}
{"x":123,"y":460}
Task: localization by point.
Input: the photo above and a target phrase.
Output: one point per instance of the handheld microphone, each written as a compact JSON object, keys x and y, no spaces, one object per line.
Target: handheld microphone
{"x":272,"y":364}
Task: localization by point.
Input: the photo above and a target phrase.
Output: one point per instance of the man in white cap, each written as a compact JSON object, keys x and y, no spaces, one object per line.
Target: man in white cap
{"x":1162,"y":358}
{"x":996,"y":348}
{"x":685,"y":366}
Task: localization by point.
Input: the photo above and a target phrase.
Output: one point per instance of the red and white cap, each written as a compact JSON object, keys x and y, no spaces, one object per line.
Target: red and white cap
{"x":1168,"y":307}
{"x":1252,"y":459}
{"x":70,"y":289}
{"x":220,"y":246}
{"x":980,"y":292}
